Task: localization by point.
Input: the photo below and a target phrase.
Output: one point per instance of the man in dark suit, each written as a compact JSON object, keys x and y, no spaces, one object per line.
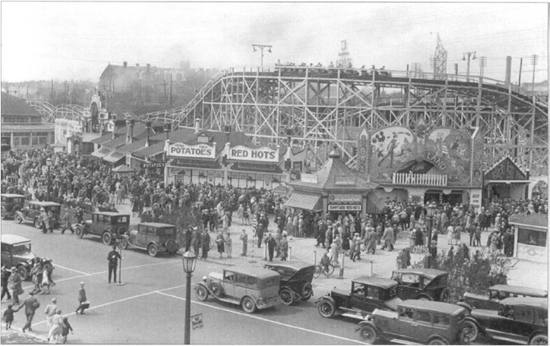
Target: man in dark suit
{"x":31,"y":304}
{"x":113,"y":258}
{"x":271,"y":244}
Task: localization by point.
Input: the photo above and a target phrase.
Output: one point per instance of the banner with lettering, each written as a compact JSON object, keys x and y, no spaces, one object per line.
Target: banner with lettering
{"x":203,"y":151}
{"x":264,"y":154}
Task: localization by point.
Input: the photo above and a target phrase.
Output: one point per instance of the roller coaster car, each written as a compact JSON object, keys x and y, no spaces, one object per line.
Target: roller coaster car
{"x":251,"y":288}
{"x":11,"y":203}
{"x":153,"y":237}
{"x":107,"y":225}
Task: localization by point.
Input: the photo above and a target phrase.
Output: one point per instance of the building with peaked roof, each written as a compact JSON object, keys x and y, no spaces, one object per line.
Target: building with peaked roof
{"x":333,"y":189}
{"x":22,"y":125}
{"x":505,"y":180}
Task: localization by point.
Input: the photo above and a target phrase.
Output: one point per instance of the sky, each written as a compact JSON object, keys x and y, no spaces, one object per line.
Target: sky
{"x":77,"y":40}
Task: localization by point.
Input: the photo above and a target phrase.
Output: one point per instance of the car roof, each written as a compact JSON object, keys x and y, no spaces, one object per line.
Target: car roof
{"x":253,"y":271}
{"x":109,"y":213}
{"x":446,"y":308}
{"x":156,"y":224}
{"x":428,"y":272}
{"x":526,"y":301}
{"x":12,"y":195}
{"x":45,"y":204}
{"x":534,"y":292}
{"x":375,"y":281}
{"x":14,"y":239}
{"x":296,"y":265}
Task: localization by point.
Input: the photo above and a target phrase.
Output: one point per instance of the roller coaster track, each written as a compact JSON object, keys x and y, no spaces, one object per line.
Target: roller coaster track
{"x":50,"y":112}
{"x":317,"y":108}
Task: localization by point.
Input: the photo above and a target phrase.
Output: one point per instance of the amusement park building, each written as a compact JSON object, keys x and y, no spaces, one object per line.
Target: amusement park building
{"x":22,"y":125}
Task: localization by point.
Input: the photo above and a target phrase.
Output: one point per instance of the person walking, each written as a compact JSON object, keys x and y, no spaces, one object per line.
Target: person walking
{"x":5,"y":278}
{"x":66,"y":223}
{"x":228,"y":244}
{"x":56,"y":327}
{"x":284,"y":248}
{"x":271,"y":244}
{"x":8,"y":316}
{"x":244,"y":240}
{"x":113,"y":258}
{"x":66,"y":328}
{"x":14,"y":284}
{"x":50,"y":312}
{"x":205,"y":243}
{"x":196,"y":240}
{"x":82,"y":300}
{"x":31,"y":304}
{"x":219,"y":243}
{"x":388,"y":238}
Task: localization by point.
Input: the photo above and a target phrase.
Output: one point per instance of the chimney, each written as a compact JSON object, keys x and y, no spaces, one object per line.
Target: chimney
{"x":167,"y":130}
{"x":508,"y":71}
{"x":148,"y":127}
{"x":114,"y":127}
{"x":148,"y":67}
{"x":137,"y":65}
{"x":129,"y":130}
{"x":197,"y":126}
{"x":125,"y":64}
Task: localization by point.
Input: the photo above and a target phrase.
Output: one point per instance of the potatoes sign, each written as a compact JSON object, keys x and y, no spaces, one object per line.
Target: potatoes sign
{"x":204,"y":151}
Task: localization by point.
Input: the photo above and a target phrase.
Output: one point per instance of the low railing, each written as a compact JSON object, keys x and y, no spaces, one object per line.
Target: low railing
{"x":419,"y":179}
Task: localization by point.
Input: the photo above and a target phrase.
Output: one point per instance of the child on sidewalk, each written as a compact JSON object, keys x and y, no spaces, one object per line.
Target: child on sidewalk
{"x":65,"y":329}
{"x":8,"y":316}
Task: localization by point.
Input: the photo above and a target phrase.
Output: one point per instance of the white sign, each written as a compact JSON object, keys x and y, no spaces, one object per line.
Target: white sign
{"x":309,"y":178}
{"x":344,"y":198}
{"x":475,"y":199}
{"x":533,"y":253}
{"x":203,"y":151}
{"x":344,"y":207}
{"x":242,"y":153}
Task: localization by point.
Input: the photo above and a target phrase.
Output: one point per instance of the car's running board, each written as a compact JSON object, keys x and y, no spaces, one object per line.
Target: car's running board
{"x":357,"y":315}
{"x":228,"y":300}
{"x":406,"y":342}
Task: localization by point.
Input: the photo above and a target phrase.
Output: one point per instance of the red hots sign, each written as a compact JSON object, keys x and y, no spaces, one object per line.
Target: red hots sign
{"x":204,"y":151}
{"x":242,"y":153}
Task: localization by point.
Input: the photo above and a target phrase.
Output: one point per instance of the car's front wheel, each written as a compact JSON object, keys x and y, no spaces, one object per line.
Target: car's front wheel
{"x":445,"y":295}
{"x":23,"y":272}
{"x":369,"y":334}
{"x":107,"y":238}
{"x":539,"y":339}
{"x":471,"y":331}
{"x":307,"y":291}
{"x":37,"y":223}
{"x":79,"y":232}
{"x":326,"y":308}
{"x":287,"y":296}
{"x":153,"y":250}
{"x":202,"y":293}
{"x":437,"y":341}
{"x":248,"y":305}
{"x":18,"y":218}
{"x":123,"y":243}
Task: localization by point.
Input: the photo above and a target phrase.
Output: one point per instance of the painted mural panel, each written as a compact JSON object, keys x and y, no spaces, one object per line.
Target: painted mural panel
{"x":442,"y":151}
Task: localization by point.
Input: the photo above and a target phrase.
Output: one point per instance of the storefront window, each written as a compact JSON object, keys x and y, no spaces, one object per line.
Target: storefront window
{"x":530,"y":237}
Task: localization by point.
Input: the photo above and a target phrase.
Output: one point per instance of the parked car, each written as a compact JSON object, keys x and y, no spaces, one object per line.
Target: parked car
{"x":16,"y":252}
{"x":422,"y":283}
{"x":153,"y":237}
{"x":31,"y":212}
{"x":497,"y":293}
{"x":251,"y":288}
{"x":295,"y":282}
{"x":520,"y":320}
{"x":11,"y":203}
{"x":366,"y":295}
{"x":415,"y":321}
{"x":107,"y":225}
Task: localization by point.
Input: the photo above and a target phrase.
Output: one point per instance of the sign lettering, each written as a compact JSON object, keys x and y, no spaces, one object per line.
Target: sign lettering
{"x":345,"y":198}
{"x":344,"y":207}
{"x":343,"y":180}
{"x":153,"y":165}
{"x":183,"y":150}
{"x":196,"y":321}
{"x":309,"y":178}
{"x":242,"y":153}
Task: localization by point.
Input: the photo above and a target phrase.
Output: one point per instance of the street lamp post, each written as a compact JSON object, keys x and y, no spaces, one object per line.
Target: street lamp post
{"x":189,"y":261}
{"x":464,"y":58}
{"x":430,"y":211}
{"x":261,"y":47}
{"x":49,"y":163}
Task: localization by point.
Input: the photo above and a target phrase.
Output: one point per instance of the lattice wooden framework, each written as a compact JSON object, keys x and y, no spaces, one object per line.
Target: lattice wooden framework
{"x":50,"y":112}
{"x":319,"y":107}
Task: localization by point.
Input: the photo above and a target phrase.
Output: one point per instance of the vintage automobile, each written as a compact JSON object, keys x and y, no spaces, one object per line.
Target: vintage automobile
{"x":422,"y":283}
{"x":519,"y":320}
{"x":107,"y":225}
{"x":415,"y":321}
{"x":11,"y":203}
{"x":295,"y":282}
{"x":153,"y":237}
{"x":251,"y":288}
{"x":31,"y":212}
{"x":367,"y":293}
{"x":16,"y":252}
{"x":497,"y":293}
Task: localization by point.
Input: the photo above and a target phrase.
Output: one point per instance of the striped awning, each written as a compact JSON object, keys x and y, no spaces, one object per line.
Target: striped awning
{"x":114,"y":156}
{"x":305,"y":201}
{"x":101,"y":152}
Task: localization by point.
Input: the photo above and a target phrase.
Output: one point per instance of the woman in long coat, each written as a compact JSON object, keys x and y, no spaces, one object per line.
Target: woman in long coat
{"x":14,"y":284}
{"x":219,"y":243}
{"x":389,"y":238}
{"x":372,"y":239}
{"x":244,"y":240}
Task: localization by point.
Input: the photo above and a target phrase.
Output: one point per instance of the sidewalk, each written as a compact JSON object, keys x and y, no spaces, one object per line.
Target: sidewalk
{"x":525,"y":273}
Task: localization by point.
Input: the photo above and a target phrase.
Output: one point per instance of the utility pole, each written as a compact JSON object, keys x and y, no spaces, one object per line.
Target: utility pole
{"x":470,"y":55}
{"x":520,"y":67}
{"x":482,"y":64}
{"x":171,"y":100}
{"x":261,"y":47}
{"x":534,"y":61}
